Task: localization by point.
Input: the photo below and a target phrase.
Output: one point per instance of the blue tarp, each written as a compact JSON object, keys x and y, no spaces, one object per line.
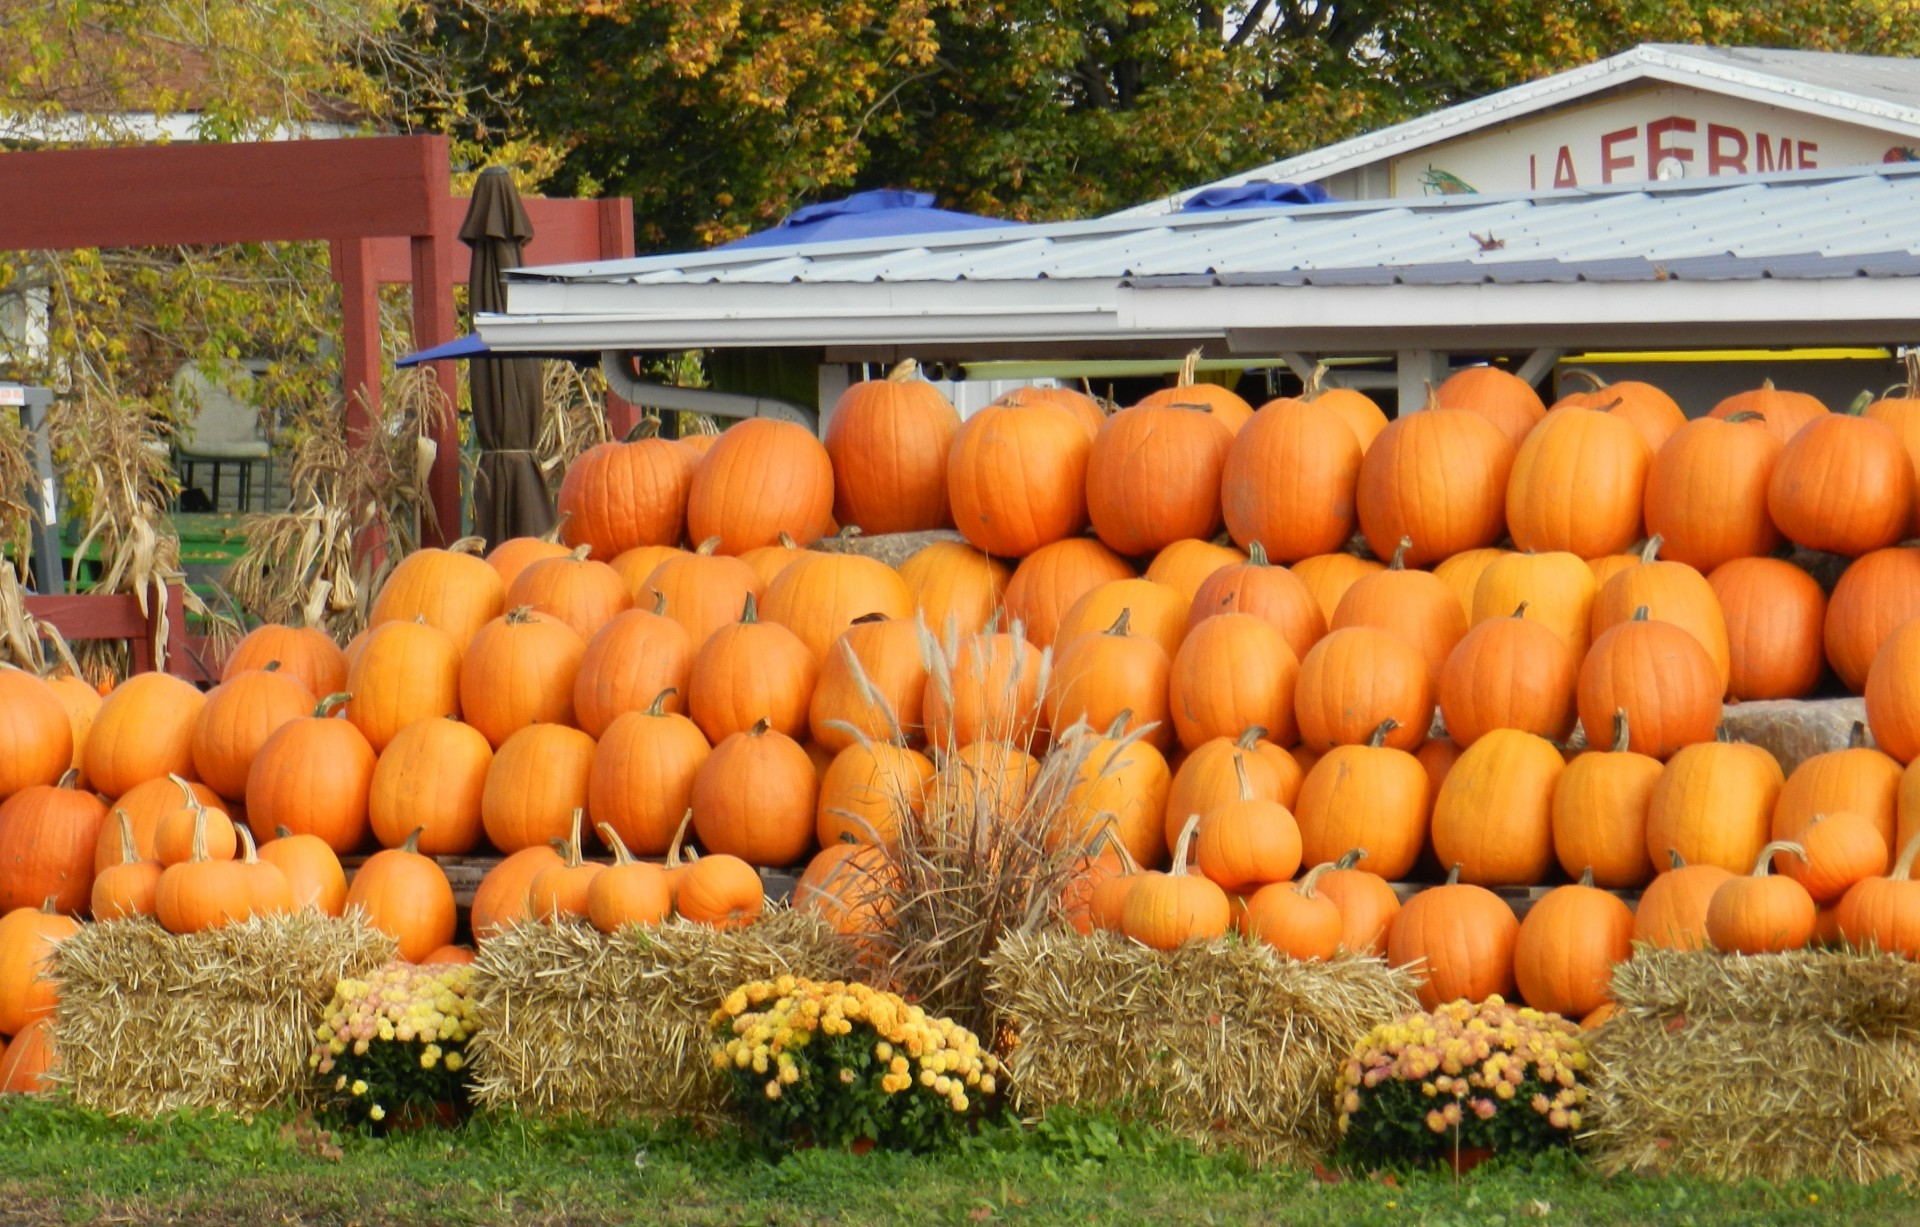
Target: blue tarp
{"x":1253,"y":195}
{"x":866,"y":215}
{"x":464,"y":347}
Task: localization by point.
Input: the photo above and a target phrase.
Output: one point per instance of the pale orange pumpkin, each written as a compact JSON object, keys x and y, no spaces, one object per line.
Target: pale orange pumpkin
{"x":537,"y":778}
{"x":406,"y":671}
{"x":406,"y":896}
{"x":519,"y":670}
{"x":755,"y":796}
{"x":641,"y":779}
{"x":888,"y":440}
{"x":763,"y":478}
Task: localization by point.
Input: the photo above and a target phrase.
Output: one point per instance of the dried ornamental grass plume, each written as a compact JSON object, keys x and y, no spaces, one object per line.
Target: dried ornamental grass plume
{"x":1468,"y":1074}
{"x":1226,"y":1043}
{"x":1810,"y":1060}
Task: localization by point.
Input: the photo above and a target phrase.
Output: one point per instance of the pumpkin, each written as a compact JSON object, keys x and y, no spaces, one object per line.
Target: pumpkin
{"x":1841,"y":848}
{"x":1461,"y":574}
{"x":173,"y":832}
{"x":27,"y":938}
{"x":1876,"y":913}
{"x":146,"y":805}
{"x":144,"y":731}
{"x":1511,"y":673}
{"x":516,"y":554}
{"x":755,"y":798}
{"x":449,"y":589}
{"x":1557,"y":588}
{"x":1368,"y":904}
{"x":986,"y":783}
{"x":1858,"y":780}
{"x":1893,"y":693}
{"x":956,"y":588}
{"x":82,"y":702}
{"x":1437,"y":758}
{"x":617,"y":496}
{"x":1164,"y":911}
{"x":313,"y":777}
{"x":199,"y":893}
{"x":1844,"y":484}
{"x":48,"y":834}
{"x":872,"y":685}
{"x":1600,"y":805}
{"x":1372,"y":797}
{"x":888,"y":440}
{"x":406,"y":896}
{"x":850,"y":886}
{"x":1248,"y":841}
{"x":1411,"y":604}
{"x":269,"y":893}
{"x":1295,"y":918}
{"x":312,"y":871}
{"x":1154,"y":610}
{"x":537,"y":778}
{"x":1707,"y":492}
{"x":763,"y":478}
{"x":1353,"y":407}
{"x":1461,"y":937}
{"x":751,"y":671}
{"x":1786,"y":414}
{"x":1233,"y":670}
{"x":1652,"y":413}
{"x":1356,"y":678}
{"x":1876,"y":596}
{"x":634,"y":658}
{"x":1503,"y":399}
{"x":1107,"y":897}
{"x":1083,"y":408}
{"x":1568,"y":944}
{"x":702,"y":591}
{"x":1670,"y":592}
{"x":1775,"y":615}
{"x":1660,"y":676}
{"x":819,"y":597}
{"x":1272,"y":594}
{"x":306,"y":652}
{"x":584,"y":594}
{"x":125,"y":888}
{"x":1051,"y":580}
{"x":430,"y":778}
{"x":1600,"y":456}
{"x":1219,"y":399}
{"x":720,"y":890}
{"x":236,"y":720}
{"x":448,"y":954}
{"x":1189,"y":562}
{"x":627,"y":892}
{"x":1902,"y":414}
{"x":1907,"y":811}
{"x":500,"y":901}
{"x":1328,"y":576}
{"x":1209,"y":777}
{"x":1673,"y":908}
{"x":407,"y":671}
{"x":27,"y":1059}
{"x":987,"y":689}
{"x":768,"y":561}
{"x":1493,"y":819}
{"x":1439,"y":478}
{"x":1761,"y":913}
{"x":1049,"y":448}
{"x":1290,"y":478}
{"x":561,"y":890}
{"x":868,"y":791}
{"x":519,"y":671}
{"x":1713,"y":805}
{"x":1097,"y":677}
{"x":637,"y":565}
{"x":641,"y":778}
{"x":1088,"y":876}
{"x":1118,"y":783}
{"x":1153,"y":476}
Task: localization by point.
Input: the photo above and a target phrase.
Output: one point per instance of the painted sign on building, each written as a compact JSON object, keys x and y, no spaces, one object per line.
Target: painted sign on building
{"x":1667,"y":132}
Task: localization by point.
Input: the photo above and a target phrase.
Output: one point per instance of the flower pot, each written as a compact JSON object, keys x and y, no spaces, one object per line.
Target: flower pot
{"x":1466,"y":1158}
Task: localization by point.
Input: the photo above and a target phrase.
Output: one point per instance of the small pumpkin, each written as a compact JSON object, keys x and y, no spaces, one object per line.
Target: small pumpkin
{"x":1372,"y":798}
{"x":1673,"y":908}
{"x":1859,"y":780}
{"x":48,"y":837}
{"x":1841,"y":849}
{"x":269,"y":893}
{"x":1880,"y":913}
{"x":1368,"y":904}
{"x":126,"y":888}
{"x":312,"y":870}
{"x":1164,"y":911}
{"x":627,"y":892}
{"x":173,"y":834}
{"x":1462,"y":939}
{"x":27,"y":938}
{"x":406,"y":896}
{"x":1567,"y":947}
{"x":1295,"y":918}
{"x":1209,"y":777}
{"x":1761,"y":913}
{"x":1248,"y":841}
{"x":1600,"y":805}
{"x":719,"y":890}
{"x":584,"y":594}
{"x":562,"y":890}
{"x":200,"y":893}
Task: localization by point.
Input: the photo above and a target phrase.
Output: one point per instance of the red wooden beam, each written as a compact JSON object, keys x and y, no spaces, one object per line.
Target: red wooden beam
{"x":564,"y":232}
{"x":118,"y":616}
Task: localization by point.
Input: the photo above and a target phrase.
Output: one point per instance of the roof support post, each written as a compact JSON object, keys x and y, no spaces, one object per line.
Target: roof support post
{"x":1538,"y":365}
{"x":1416,"y":371}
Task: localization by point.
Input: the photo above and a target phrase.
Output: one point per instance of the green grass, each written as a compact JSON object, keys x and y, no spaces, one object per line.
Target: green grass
{"x":60,"y":1164}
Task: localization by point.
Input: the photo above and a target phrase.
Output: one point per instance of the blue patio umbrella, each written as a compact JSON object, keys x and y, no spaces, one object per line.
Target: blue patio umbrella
{"x":866,"y":215}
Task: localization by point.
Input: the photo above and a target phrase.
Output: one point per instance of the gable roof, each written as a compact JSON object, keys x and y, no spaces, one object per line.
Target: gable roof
{"x":1875,"y":91}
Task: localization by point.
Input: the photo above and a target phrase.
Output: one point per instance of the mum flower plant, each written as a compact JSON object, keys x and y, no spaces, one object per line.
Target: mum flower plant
{"x":1485,"y":1076}
{"x":839,"y":1064}
{"x":392,"y":1047}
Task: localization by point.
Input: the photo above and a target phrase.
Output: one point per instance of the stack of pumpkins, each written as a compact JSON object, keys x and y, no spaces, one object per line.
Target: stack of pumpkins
{"x":682,"y":664}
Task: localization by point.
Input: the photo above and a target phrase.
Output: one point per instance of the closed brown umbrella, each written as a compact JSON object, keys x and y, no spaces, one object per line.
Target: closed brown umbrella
{"x":509,"y":496}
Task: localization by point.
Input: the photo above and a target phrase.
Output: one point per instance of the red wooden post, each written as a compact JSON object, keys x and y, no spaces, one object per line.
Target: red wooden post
{"x":615,"y":218}
{"x":360,"y":322}
{"x":433,"y":324}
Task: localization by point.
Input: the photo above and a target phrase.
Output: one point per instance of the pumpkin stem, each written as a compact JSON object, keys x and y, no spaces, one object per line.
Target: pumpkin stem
{"x":1111,"y":836}
{"x":787,"y":542}
{"x":679,"y":839}
{"x":648,"y":427}
{"x":1859,"y":405}
{"x":1620,"y":737}
{"x":1785,"y":847}
{"x":412,"y":843}
{"x":572,"y":851}
{"x":199,"y":851}
{"x":1453,"y":875}
{"x":1251,"y":738}
{"x":272,"y":666}
{"x":1240,"y":773}
{"x":905,"y":371}
{"x":1591,"y":378}
{"x":659,"y":705}
{"x":69,"y":778}
{"x":315,"y":609}
{"x":1674,"y":857}
{"x":520,"y":615}
{"x":1119,"y":626}
{"x":129,"y":848}
{"x":476,"y":546}
{"x":612,"y":839}
{"x":280,"y":831}
{"x":760,"y":727}
{"x":869,"y":619}
{"x":659,"y":603}
{"x":47,"y":907}
{"x":1520,"y":610}
{"x":1183,"y":846}
{"x":1257,"y":554}
{"x":751,"y":611}
{"x":1640,"y":614}
{"x":1747,"y":415}
{"x":1399,"y":559}
{"x":1305,"y":887}
{"x":249,"y":851}
{"x":708,"y":548}
{"x":1651,"y":550}
{"x":1381,"y":731}
{"x":1586,"y":876}
{"x":552,"y":535}
{"x":1903,"y":867}
{"x":324,"y":707}
{"x":579,"y":552}
{"x":1189,"y":369}
{"x":849,"y":532}
{"x":1857,"y":736}
{"x":1350,"y":858}
{"x":1315,"y":382}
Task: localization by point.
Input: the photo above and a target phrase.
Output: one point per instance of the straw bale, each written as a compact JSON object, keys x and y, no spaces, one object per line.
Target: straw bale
{"x":1226,"y":1042}
{"x":150,"y":1022}
{"x":573,"y":1022}
{"x":1772,"y":1066}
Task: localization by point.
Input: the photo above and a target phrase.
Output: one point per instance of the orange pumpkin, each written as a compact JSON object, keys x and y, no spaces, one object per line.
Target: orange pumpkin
{"x":83,"y":703}
{"x":1775,"y":615}
{"x":27,"y":1059}
{"x":1209,"y":777}
{"x":406,"y":896}
{"x":1493,"y":819}
{"x":1713,"y":805}
{"x":1670,"y":592}
{"x":1166,"y":910}
{"x":819,"y":597}
{"x":986,"y":783}
{"x":537,"y":778}
{"x":1844,"y":484}
{"x":146,"y":805}
{"x":1461,"y":574}
{"x":1786,"y":414}
{"x":1369,"y":798}
{"x":888,"y":440}
{"x":1503,"y":399}
{"x":768,"y":561}
{"x":198,"y":893}
{"x":1295,"y":918}
{"x":430,"y":778}
{"x":1411,"y":604}
{"x":617,"y":496}
{"x":1247,"y":842}
{"x":584,"y":594}
{"x":1328,"y":576}
{"x":500,"y":901}
{"x":1660,"y":676}
{"x":1154,"y":610}
{"x":1893,"y":697}
{"x":752,"y":671}
{"x":450,"y":589}
{"x":1841,"y":849}
{"x":305,"y":652}
{"x":1153,"y":476}
{"x":516,"y":554}
{"x":641,"y":779}
{"x":1083,"y":408}
{"x":1884,"y":913}
{"x":1652,"y":413}
{"x":27,"y":938}
{"x":873,"y":684}
{"x":1557,"y":588}
{"x":1189,"y":562}
{"x":313,"y":873}
{"x":313,"y":777}
{"x":48,"y":834}
{"x":1272,"y":594}
{"x":1438,"y":477}
{"x":720,"y":890}
{"x":1902,"y":413}
{"x":755,"y":798}
{"x":1511,"y":673}
{"x":144,"y":731}
{"x":1118,"y":783}
{"x":1051,"y":580}
{"x":633,"y":659}
{"x":236,"y":720}
{"x":125,"y":888}
{"x":1097,"y":677}
{"x":763,"y":478}
{"x":1368,"y":904}
{"x":407,"y":671}
{"x":1290,"y":478}
{"x":702,"y":591}
{"x":627,"y":892}
{"x":1761,"y":913}
{"x":850,"y":886}
{"x":1858,"y":780}
{"x":1437,"y":758}
{"x":561,"y":891}
{"x":1673,"y":908}
{"x":637,"y":565}
{"x":173,"y":833}
{"x":1353,"y":407}
{"x":1233,"y":671}
{"x":520,"y":670}
{"x":987,"y":689}
{"x":1564,"y":955}
{"x":1088,"y":875}
{"x":869,"y":789}
{"x":1600,"y":456}
{"x":1875,"y":597}
{"x":269,"y":893}
{"x":1049,"y":447}
{"x":1461,"y":937}
{"x":1707,"y":492}
{"x":955,"y":588}
{"x":1600,"y":808}
{"x":1356,"y":678}
{"x":1219,"y":399}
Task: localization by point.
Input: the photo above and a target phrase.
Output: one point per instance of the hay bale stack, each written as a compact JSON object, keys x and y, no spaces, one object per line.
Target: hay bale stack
{"x":576,"y":1023}
{"x":1226,"y":1042}
{"x":149,"y":1022}
{"x":1773,"y":1066}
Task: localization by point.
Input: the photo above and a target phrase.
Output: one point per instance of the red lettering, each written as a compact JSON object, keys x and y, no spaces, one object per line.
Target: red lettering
{"x":1658,"y":150}
{"x":1611,"y":161}
{"x":1726,"y":150}
{"x":1563,"y":175}
{"x":1767,"y":158}
{"x":1807,"y":150}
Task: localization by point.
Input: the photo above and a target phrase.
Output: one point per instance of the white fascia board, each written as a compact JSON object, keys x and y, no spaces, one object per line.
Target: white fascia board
{"x":738,"y":300}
